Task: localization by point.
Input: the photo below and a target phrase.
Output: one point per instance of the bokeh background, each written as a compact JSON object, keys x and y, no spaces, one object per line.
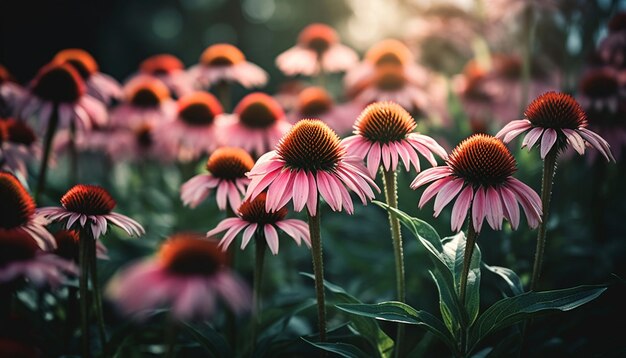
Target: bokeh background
{"x":587,"y":239}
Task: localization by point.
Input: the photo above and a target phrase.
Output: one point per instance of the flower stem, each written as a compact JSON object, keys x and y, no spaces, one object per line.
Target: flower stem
{"x":171,"y":333}
{"x":321,"y":75}
{"x":467,"y":259}
{"x":549,"y":169}
{"x":318,"y":269}
{"x":390,"y":179}
{"x":260,"y":248}
{"x":43,"y":168}
{"x":83,"y":248}
{"x":223,"y":93}
{"x":73,"y":155}
{"x":97,"y":294}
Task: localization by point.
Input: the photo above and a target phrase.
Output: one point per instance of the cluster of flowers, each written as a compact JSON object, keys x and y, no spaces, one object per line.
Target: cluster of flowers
{"x":268,"y":152}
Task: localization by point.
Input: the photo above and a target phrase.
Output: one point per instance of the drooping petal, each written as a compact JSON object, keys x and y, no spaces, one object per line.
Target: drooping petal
{"x":460,"y":208}
{"x":547,"y":141}
{"x":271,"y":237}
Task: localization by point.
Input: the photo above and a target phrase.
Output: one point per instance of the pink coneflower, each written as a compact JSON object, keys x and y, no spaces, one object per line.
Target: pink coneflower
{"x":310,"y":159}
{"x":99,"y":85}
{"x":611,"y":47}
{"x":58,"y":93}
{"x":67,"y":242}
{"x":252,"y":216}
{"x":318,"y":50}
{"x":17,"y":211}
{"x":188,"y":276}
{"x":385,"y":53}
{"x":146,"y":101}
{"x":22,"y":257}
{"x":84,"y":203}
{"x":11,"y":93}
{"x":169,"y":69}
{"x":557,"y":119}
{"x":602,"y":98}
{"x":256,"y":125}
{"x":135,"y":145}
{"x":384,"y":132}
{"x":193,"y":132}
{"x":316,"y":102}
{"x":19,"y":147}
{"x":478,"y":173}
{"x":309,"y":162}
{"x":226,"y":63}
{"x":227,"y":168}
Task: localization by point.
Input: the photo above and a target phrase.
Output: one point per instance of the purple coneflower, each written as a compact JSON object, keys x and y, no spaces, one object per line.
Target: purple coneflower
{"x":169,"y":69}
{"x":227,"y":168}
{"x":99,"y":85}
{"x":17,"y":212}
{"x":146,"y":101}
{"x":189,"y":275}
{"x":193,"y":132}
{"x":256,"y":125}
{"x":478,"y":173}
{"x":318,"y":50}
{"x":19,"y":147}
{"x":310,"y":161}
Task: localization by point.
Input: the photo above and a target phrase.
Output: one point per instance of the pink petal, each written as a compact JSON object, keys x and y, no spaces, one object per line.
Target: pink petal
{"x":373,"y":159}
{"x":532,"y":137}
{"x":478,"y":209}
{"x":247,"y":235}
{"x":271,"y":237}
{"x":300,"y":190}
{"x":547,"y":141}
{"x":510,"y":205}
{"x":429,"y":175}
{"x":446,"y":194}
{"x":432,"y":190}
{"x":312,"y":200}
{"x":460,"y":208}
{"x":494,"y":208}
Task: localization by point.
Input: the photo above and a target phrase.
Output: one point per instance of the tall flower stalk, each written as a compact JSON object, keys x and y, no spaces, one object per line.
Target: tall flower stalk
{"x":310,"y":163}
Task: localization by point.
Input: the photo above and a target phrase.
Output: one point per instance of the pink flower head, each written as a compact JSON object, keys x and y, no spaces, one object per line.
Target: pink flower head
{"x":557,"y":119}
{"x":227,"y":168}
{"x":226,"y":63}
{"x":308,"y":160}
{"x":318,"y":49}
{"x":256,"y":125}
{"x":90,"y":202}
{"x":17,"y":211}
{"x":316,"y":102}
{"x":22,"y":258}
{"x":18,"y":147}
{"x":146,"y":101}
{"x":384,"y":133}
{"x":188,"y":276}
{"x":60,"y":86}
{"x":601,"y":96}
{"x":136,"y":144}
{"x":252,"y":217}
{"x":99,"y":85}
{"x":169,"y":69}
{"x":478,"y":173}
{"x":193,"y":132}
{"x":11,"y":93}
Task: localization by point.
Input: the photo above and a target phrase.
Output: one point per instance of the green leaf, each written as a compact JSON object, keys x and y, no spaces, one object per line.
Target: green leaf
{"x":453,"y":255}
{"x":210,"y":340}
{"x":343,"y":349}
{"x":367,"y":327}
{"x":415,"y":225}
{"x":394,"y":311}
{"x":515,"y":309}
{"x":509,"y":276}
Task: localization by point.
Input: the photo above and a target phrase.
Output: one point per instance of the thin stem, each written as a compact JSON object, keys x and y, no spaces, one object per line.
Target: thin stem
{"x":83,"y":290}
{"x":97,"y":294}
{"x":171,"y":334}
{"x":390,"y":179}
{"x":43,"y":168}
{"x":223,"y":93}
{"x":318,"y":269}
{"x":321,"y":75}
{"x":467,"y":259}
{"x":259,"y":259}
{"x":549,"y":169}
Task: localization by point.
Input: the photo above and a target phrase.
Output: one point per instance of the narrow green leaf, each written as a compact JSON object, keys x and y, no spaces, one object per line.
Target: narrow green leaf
{"x":515,"y":309}
{"x":394,"y":311}
{"x":415,"y":225}
{"x":367,"y":327}
{"x":509,"y":276}
{"x":343,"y":349}
{"x":210,"y":339}
{"x":454,"y":255}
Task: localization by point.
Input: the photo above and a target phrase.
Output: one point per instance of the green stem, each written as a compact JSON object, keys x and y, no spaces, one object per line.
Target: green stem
{"x":43,"y":168}
{"x":549,"y":169}
{"x":171,"y":333}
{"x":318,"y":269}
{"x":223,"y":93}
{"x":83,"y":290}
{"x":321,"y":75}
{"x":467,"y":259}
{"x":260,"y":248}
{"x":97,"y":294}
{"x":390,"y":180}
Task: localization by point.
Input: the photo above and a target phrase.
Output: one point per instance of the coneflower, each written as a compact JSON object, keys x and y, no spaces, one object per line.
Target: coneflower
{"x":169,"y":69}
{"x":310,"y":162}
{"x":18,"y":147}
